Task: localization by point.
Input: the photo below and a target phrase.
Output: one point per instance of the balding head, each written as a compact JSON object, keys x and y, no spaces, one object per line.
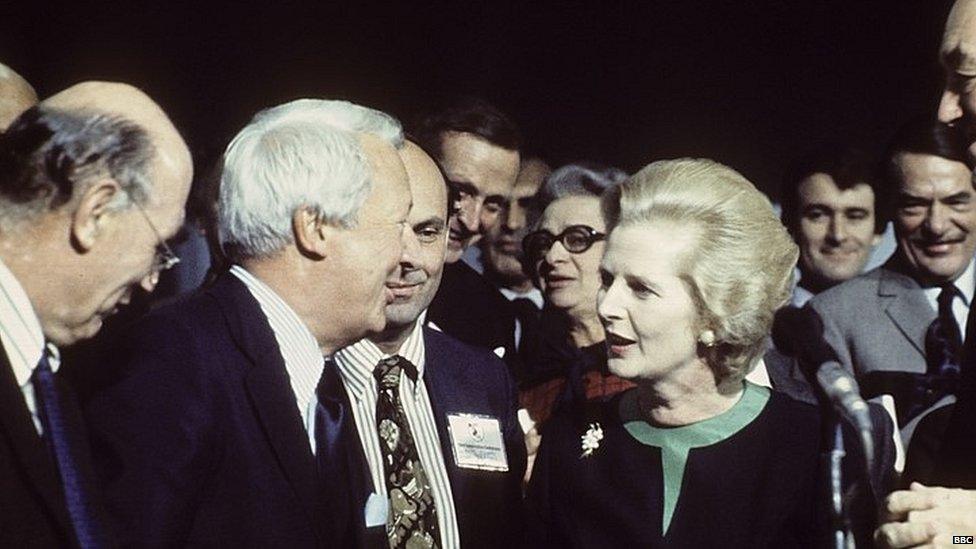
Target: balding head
{"x":422,"y":261}
{"x":16,"y":96}
{"x":130,"y":103}
{"x":958,"y":56}
{"x":91,"y":181}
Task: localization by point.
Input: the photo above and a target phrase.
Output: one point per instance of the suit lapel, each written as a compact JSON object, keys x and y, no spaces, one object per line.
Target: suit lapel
{"x":438,"y":379}
{"x":271,"y":393}
{"x":903,"y":302}
{"x":29,"y":447}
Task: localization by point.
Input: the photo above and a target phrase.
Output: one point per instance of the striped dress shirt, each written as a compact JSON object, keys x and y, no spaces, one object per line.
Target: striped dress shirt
{"x":23,"y":339}
{"x":303,"y":358}
{"x":356,"y":364}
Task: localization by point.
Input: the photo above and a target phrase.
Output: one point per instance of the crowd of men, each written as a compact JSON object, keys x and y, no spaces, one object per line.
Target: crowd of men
{"x":350,"y":375}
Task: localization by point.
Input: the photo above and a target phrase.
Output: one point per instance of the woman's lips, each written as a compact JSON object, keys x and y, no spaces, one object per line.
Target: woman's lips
{"x":618,"y":345}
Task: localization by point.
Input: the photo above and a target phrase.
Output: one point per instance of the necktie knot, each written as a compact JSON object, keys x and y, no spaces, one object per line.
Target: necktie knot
{"x":948,"y":293}
{"x":387,"y":371}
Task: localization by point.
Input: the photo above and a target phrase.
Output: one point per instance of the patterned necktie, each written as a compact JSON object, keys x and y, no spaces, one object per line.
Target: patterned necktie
{"x":412,"y":521}
{"x":942,"y":339}
{"x":943,"y":343}
{"x":64,"y":442}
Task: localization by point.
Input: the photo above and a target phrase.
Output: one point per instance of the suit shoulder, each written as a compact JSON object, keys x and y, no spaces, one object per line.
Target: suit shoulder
{"x":855,"y":287}
{"x":440,"y":344}
{"x":192,"y":315}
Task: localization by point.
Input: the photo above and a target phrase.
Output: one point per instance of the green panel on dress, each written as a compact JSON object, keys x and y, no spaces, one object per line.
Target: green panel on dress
{"x":676,"y":442}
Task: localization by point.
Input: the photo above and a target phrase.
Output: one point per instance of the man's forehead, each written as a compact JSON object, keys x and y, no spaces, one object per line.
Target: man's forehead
{"x":821,"y":187}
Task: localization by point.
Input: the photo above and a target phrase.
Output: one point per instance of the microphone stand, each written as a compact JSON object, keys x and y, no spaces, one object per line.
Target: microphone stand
{"x":843,"y":538}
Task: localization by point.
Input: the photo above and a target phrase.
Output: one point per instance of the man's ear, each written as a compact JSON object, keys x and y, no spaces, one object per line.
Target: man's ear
{"x":89,"y":218}
{"x":311,"y":233}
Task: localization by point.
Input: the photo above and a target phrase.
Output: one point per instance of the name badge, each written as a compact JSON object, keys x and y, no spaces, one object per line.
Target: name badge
{"x":477,"y":442}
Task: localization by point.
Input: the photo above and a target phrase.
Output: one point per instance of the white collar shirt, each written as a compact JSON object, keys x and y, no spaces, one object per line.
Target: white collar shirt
{"x":303,"y":358}
{"x":23,"y":339}
{"x":356,"y":364}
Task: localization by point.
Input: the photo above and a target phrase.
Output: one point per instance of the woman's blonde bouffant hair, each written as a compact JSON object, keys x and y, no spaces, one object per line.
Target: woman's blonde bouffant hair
{"x":741,"y":269}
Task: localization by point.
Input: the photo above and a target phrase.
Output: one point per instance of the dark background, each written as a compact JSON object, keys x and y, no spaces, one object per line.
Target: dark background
{"x":750,"y":83}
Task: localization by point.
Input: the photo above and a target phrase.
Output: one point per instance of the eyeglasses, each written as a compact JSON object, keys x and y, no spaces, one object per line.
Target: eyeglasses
{"x":575,"y":238}
{"x":165,"y":258}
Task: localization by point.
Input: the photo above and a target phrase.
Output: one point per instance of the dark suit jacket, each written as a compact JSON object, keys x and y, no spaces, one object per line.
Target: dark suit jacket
{"x":459,"y":379}
{"x":32,"y":507}
{"x":199,"y":442}
{"x":955,"y":463}
{"x":469,"y":308}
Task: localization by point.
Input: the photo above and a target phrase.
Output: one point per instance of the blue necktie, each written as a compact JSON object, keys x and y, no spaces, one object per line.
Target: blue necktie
{"x":64,"y":444}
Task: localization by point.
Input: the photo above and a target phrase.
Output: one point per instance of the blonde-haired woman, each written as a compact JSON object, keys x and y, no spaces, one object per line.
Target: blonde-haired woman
{"x":695,"y":265}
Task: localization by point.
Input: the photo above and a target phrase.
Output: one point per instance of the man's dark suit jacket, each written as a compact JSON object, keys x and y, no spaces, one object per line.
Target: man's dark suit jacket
{"x":32,"y":508}
{"x":471,"y":309}
{"x":955,"y":464}
{"x":199,"y":442}
{"x":459,"y":379}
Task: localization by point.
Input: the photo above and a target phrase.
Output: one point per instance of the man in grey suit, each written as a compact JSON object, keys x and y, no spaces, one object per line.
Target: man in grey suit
{"x":898,"y":327}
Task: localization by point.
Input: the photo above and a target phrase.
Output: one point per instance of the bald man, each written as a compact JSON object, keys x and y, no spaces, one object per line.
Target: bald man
{"x":445,"y":388}
{"x":92,"y":183}
{"x":16,"y":96}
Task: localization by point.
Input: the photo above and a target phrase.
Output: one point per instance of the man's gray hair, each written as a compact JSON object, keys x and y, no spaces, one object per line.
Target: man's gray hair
{"x":303,"y":154}
{"x":48,"y":156}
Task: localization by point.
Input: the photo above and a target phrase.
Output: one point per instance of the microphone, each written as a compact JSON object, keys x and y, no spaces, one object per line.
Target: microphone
{"x":842,"y":391}
{"x":819,"y":361}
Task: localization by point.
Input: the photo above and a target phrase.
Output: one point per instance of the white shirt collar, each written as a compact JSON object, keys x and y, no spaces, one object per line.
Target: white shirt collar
{"x":303,"y":358}
{"x":534,"y":295}
{"x":20,"y":329}
{"x":964,"y":283}
{"x":357,"y":361}
{"x":967,"y":282}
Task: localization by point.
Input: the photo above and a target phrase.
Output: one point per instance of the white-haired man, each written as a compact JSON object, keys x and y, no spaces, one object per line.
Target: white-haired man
{"x":92,"y":182}
{"x":213,"y":433}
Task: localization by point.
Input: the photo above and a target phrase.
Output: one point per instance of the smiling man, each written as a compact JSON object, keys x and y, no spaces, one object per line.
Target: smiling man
{"x":423,"y":385}
{"x":828,"y":202}
{"x":898,"y":327}
{"x":477,"y":148}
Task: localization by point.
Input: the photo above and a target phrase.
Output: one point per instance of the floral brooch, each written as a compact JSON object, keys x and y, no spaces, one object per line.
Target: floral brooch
{"x":591,"y":440}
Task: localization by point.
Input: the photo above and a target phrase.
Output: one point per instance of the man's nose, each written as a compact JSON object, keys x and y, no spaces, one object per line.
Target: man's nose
{"x":514,"y":219}
{"x":469,"y":214}
{"x":949,"y":107}
{"x":410,"y":247}
{"x":936,"y":220}
{"x":837,"y":230}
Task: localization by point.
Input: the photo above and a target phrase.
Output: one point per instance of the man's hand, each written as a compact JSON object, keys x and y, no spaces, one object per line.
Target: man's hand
{"x":925,"y":516}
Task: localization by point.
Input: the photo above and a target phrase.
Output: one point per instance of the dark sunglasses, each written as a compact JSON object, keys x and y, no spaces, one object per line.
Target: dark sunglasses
{"x":575,"y":238}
